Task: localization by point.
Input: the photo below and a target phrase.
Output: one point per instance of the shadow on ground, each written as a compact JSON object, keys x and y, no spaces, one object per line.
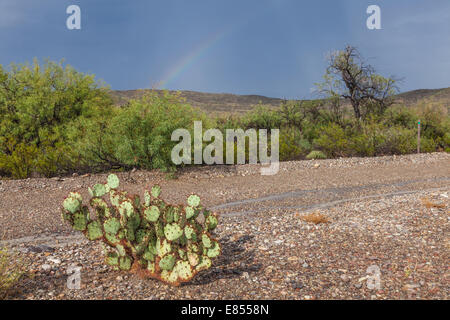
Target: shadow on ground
{"x":232,"y":263}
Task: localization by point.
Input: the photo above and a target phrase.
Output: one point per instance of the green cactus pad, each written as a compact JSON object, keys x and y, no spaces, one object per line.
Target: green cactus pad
{"x":79,"y":221}
{"x":72,"y":204}
{"x":125,"y":263}
{"x":147,"y":198}
{"x":152,"y":214}
{"x":190,"y":212}
{"x":214,"y":251}
{"x":159,"y":229}
{"x":206,"y":240}
{"x":190,"y":233}
{"x":204,"y":264}
{"x":173,"y":231}
{"x":193,"y":201}
{"x":163,"y":247}
{"x":126,"y":208}
{"x":76,"y":195}
{"x":156,"y":191}
{"x":184,"y":270}
{"x":193,"y":258}
{"x":113,"y":181}
{"x":94,"y":230}
{"x":211,"y":222}
{"x":165,"y":276}
{"x":148,"y":256}
{"x":167,"y":262}
{"x":182,"y":254}
{"x":112,"y":225}
{"x":112,"y":238}
{"x":169,"y":215}
{"x":121,"y":250}
{"x":97,"y":190}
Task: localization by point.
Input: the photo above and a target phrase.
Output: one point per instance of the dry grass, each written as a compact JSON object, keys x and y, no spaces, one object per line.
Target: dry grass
{"x":430,"y":204}
{"x":11,"y":270}
{"x":315,"y":217}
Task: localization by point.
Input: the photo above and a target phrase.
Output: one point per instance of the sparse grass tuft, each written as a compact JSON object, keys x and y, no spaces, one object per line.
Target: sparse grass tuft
{"x":315,"y":217}
{"x":430,"y":204}
{"x":11,"y":270}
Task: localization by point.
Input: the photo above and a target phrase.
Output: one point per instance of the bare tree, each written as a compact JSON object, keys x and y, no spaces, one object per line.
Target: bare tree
{"x":348,"y":76}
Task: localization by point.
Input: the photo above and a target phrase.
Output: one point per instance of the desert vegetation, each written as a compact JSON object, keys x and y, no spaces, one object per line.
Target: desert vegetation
{"x":55,"y":120}
{"x":153,"y":238}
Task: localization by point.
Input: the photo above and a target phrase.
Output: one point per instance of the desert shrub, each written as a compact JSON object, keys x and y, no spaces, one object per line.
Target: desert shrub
{"x":400,"y":116}
{"x":11,"y":270}
{"x":138,"y":135}
{"x":292,"y":145}
{"x":262,"y":117}
{"x":37,"y":105}
{"x":152,"y":237}
{"x":333,"y":141}
{"x":446,"y":142}
{"x":315,"y":154}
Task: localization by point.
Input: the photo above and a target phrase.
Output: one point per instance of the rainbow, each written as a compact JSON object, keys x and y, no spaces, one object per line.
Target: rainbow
{"x":187,"y":61}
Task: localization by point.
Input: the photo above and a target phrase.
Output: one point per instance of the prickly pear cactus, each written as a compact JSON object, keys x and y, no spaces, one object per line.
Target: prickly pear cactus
{"x":162,"y":241}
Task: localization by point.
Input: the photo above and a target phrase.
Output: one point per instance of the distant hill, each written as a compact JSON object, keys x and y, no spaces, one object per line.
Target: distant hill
{"x":231,"y":103}
{"x":416,"y":96}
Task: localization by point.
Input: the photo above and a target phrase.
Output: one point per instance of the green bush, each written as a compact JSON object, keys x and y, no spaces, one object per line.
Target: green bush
{"x":262,"y":117}
{"x":138,"y":135}
{"x":315,"y":154}
{"x":37,"y":106}
{"x":292,"y":145}
{"x":333,"y":141}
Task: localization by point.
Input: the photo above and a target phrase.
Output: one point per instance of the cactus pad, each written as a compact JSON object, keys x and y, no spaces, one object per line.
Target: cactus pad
{"x":113,"y":181}
{"x":194,"y":201}
{"x":152,"y":213}
{"x":167,"y":262}
{"x":156,"y":191}
{"x":172,"y":231}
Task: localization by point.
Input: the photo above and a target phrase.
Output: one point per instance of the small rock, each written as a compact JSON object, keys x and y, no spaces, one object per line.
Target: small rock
{"x":345,"y":278}
{"x":119,"y":278}
{"x":305,"y":265}
{"x":54,"y":260}
{"x":46,"y":267}
{"x":297,"y":285}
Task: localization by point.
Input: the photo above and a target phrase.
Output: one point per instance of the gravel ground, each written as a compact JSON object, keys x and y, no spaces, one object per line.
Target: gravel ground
{"x":377,"y":220}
